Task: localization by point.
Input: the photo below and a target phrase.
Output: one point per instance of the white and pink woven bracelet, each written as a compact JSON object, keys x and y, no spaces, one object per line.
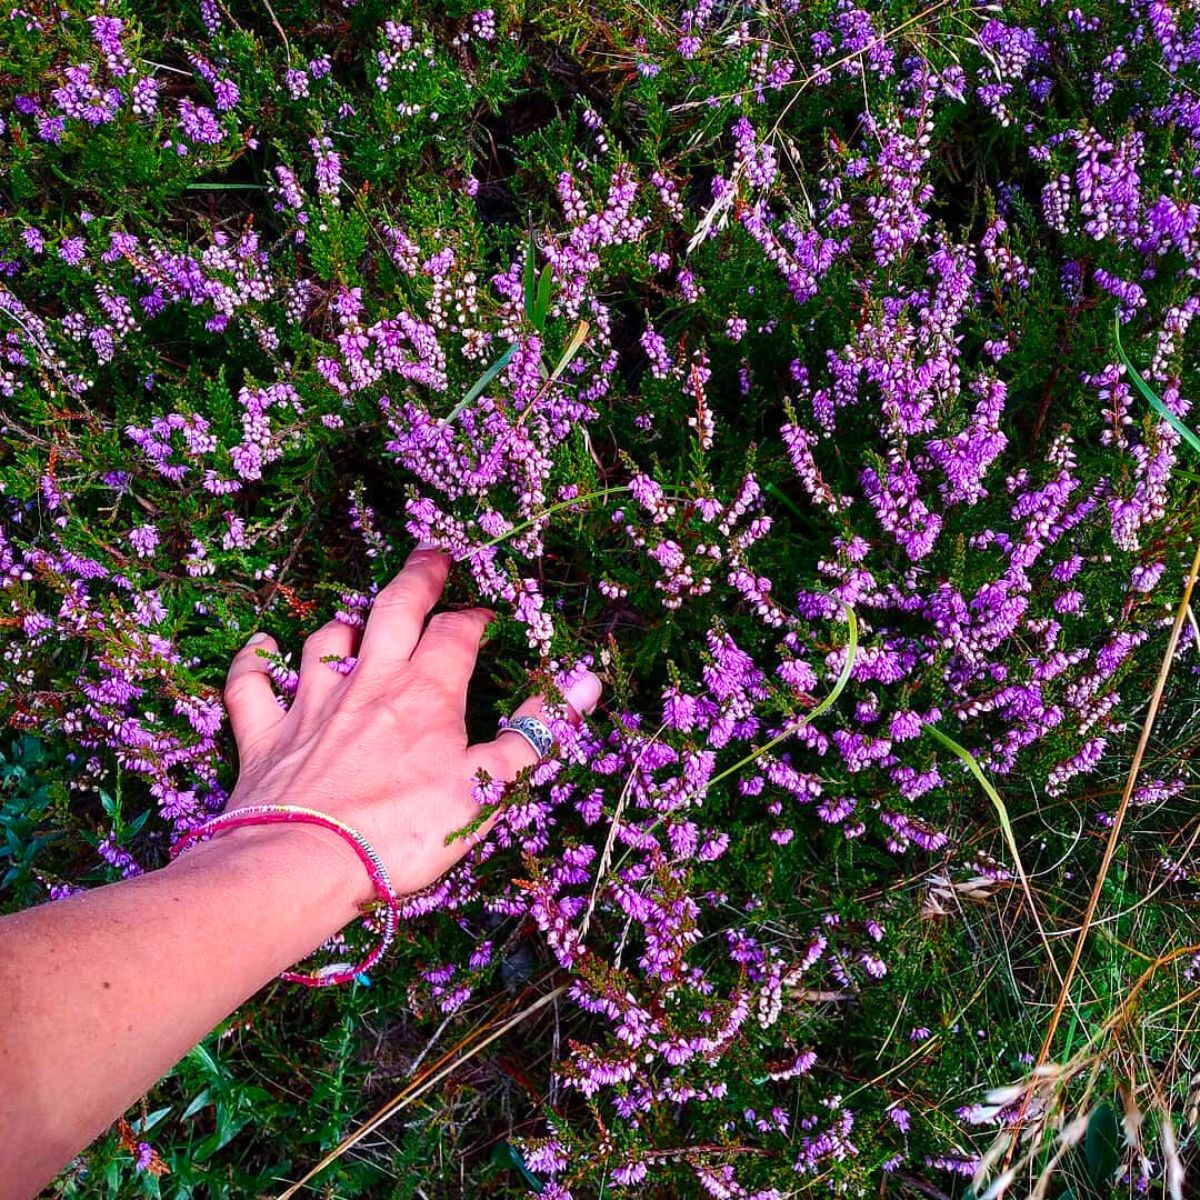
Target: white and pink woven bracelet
{"x":285,"y":814}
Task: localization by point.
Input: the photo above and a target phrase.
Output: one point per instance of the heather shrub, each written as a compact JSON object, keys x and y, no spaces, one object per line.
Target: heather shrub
{"x":760,"y":357}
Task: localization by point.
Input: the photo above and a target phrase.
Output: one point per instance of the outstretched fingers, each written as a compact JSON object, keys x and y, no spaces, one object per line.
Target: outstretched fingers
{"x":398,"y":614}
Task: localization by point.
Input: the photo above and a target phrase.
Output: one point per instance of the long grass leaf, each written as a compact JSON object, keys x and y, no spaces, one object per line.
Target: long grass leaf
{"x":984,"y":782}
{"x":834,"y":692}
{"x":1005,"y":827}
{"x":541,"y":306}
{"x":1151,"y":398}
{"x":530,"y":277}
{"x":482,"y":382}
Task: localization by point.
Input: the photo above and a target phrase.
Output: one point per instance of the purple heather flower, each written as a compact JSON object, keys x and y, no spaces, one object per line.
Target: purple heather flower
{"x":297,"y":83}
{"x":328,"y":167}
{"x":71,"y":251}
{"x":144,"y":540}
{"x":198,"y":123}
{"x":226,"y":93}
{"x":1145,"y":578}
{"x":145,"y":97}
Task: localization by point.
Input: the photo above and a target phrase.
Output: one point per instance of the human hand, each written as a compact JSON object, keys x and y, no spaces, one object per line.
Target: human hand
{"x":383,"y":748}
{"x":125,"y":979}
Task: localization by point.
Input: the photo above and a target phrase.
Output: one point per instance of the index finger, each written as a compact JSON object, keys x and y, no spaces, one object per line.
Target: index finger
{"x":398,"y":614}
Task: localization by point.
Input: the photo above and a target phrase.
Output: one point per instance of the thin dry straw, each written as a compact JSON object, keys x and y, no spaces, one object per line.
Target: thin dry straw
{"x":1114,"y":834}
{"x":419,"y":1088}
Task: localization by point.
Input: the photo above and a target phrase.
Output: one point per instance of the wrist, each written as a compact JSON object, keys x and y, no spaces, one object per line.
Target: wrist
{"x":314,"y":873}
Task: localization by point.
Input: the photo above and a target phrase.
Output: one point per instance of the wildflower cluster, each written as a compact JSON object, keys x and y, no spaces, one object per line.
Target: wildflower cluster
{"x":772,"y":377}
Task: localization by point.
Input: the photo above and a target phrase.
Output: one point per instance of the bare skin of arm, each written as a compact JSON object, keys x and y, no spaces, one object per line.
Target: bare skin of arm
{"x":102,"y":993}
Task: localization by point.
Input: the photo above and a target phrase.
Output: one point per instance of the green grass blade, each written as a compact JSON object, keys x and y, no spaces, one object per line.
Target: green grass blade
{"x":848,"y":666}
{"x":541,"y":307}
{"x":810,"y":716}
{"x":530,"y":277}
{"x":1005,"y":827}
{"x":779,"y":494}
{"x":1153,"y":400}
{"x":481,"y":383}
{"x":984,"y":782}
{"x":506,"y":1154}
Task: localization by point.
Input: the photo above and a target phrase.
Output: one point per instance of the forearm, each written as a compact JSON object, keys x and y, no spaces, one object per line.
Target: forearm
{"x":127,"y":978}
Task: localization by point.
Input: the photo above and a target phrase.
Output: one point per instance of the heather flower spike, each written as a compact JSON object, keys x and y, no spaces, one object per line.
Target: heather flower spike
{"x":758,"y":359}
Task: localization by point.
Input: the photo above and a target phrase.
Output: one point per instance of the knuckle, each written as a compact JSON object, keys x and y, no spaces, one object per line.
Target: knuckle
{"x":457,"y":625}
{"x":325,"y":641}
{"x":396,"y":592}
{"x":238,"y":686}
{"x":446,"y":624}
{"x":406,"y":589}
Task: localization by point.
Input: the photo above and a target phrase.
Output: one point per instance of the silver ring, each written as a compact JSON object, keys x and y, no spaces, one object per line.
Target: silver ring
{"x":535,"y":732}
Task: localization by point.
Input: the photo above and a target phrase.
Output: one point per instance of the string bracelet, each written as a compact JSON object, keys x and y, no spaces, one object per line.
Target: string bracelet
{"x":290,"y":814}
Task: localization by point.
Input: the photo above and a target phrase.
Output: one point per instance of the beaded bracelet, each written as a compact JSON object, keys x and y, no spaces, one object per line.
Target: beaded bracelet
{"x":278,"y":814}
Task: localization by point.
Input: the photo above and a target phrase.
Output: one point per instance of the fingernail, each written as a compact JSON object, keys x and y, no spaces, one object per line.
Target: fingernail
{"x":425,"y":546}
{"x":256,"y":638}
{"x":584,"y":694}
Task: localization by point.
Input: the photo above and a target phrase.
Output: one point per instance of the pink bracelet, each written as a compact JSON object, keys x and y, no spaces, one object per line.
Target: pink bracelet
{"x":279,"y":814}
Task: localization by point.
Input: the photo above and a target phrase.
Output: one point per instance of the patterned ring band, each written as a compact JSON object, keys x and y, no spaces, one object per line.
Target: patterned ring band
{"x":534,"y":731}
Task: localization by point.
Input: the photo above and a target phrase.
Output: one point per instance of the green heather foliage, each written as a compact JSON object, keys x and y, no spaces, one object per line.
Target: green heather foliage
{"x":759,"y":356}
